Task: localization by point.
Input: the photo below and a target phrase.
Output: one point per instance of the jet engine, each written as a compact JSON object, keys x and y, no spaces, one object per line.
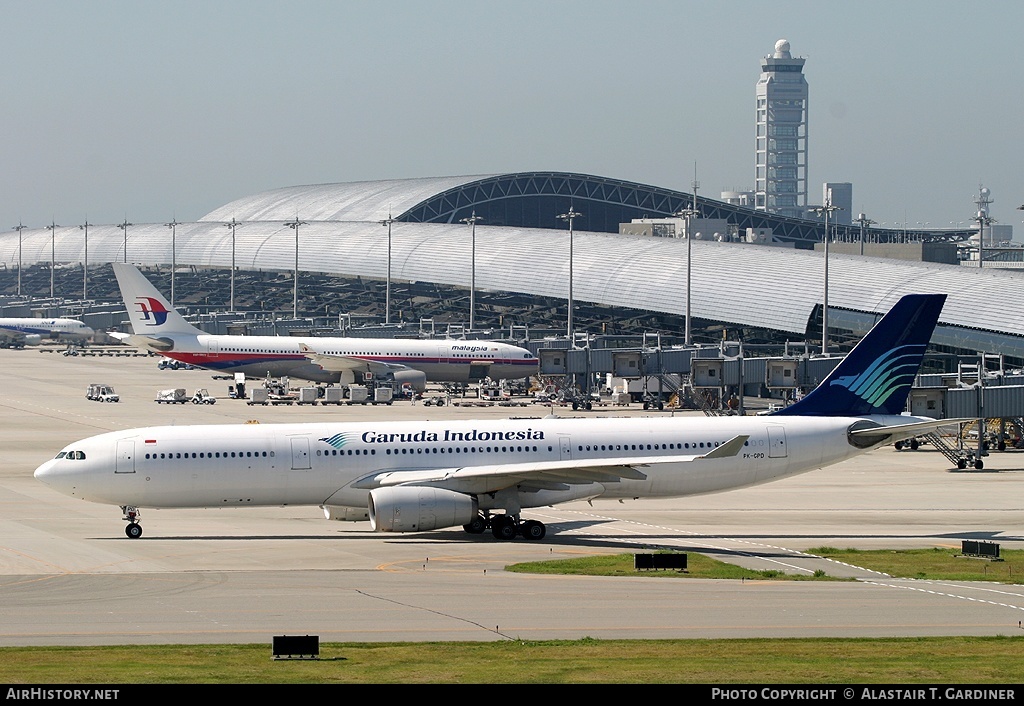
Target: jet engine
{"x":33,"y":339}
{"x":417,"y":379}
{"x":410,"y":508}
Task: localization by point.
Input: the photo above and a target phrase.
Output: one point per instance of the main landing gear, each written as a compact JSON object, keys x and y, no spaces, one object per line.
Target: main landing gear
{"x":506,"y":527}
{"x":134,"y":529}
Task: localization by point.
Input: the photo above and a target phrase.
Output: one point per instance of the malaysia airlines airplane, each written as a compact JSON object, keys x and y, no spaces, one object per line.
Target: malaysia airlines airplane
{"x":32,"y":332}
{"x":157,"y":327}
{"x":423,"y":475}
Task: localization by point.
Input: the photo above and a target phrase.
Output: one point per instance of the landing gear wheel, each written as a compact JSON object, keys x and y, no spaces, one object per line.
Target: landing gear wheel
{"x":898,"y":445}
{"x":503,"y":527}
{"x":534,"y":530}
{"x":476,"y":526}
{"x":133,"y":530}
{"x":979,"y":464}
{"x":961,"y":463}
{"x":914,"y":444}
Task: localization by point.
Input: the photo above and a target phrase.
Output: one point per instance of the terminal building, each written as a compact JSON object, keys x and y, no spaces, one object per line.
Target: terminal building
{"x":344,"y":232}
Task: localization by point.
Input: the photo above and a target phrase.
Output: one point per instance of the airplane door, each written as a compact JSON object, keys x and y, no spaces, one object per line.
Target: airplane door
{"x":124,"y":461}
{"x":565,"y":448}
{"x":300,"y":454}
{"x":777,"y":442}
{"x":213,"y":348}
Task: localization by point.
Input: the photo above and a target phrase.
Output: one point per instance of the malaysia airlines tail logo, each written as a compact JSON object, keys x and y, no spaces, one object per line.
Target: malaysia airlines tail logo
{"x":153,"y":312}
{"x":887,"y":374}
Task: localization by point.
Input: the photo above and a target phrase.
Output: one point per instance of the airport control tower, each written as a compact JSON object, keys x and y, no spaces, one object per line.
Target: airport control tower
{"x":781,"y":169}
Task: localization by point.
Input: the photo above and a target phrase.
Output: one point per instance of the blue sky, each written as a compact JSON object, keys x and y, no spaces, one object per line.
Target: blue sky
{"x":156,"y":110}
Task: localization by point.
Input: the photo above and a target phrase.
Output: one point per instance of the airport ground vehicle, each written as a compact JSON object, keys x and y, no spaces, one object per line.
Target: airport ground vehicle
{"x":102,"y":393}
{"x":171,"y":364}
{"x":202,"y":396}
{"x":174,"y":395}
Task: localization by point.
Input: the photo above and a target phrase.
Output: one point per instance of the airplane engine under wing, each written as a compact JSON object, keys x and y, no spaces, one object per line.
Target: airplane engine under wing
{"x":411,"y":508}
{"x":345,"y":514}
{"x":32,"y":339}
{"x":417,"y":379}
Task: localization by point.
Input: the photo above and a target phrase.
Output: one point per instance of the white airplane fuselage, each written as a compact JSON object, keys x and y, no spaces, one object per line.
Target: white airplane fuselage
{"x":322,"y":463}
{"x":441,"y":360}
{"x":33,"y":331}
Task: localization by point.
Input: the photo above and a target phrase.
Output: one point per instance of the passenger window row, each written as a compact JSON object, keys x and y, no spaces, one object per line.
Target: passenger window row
{"x":211,"y":454}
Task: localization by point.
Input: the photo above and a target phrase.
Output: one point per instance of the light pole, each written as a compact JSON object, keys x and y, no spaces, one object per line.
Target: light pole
{"x":827,"y":209}
{"x":387,"y":287}
{"x":124,"y":227}
{"x":864,"y":223}
{"x":85,"y":261}
{"x":19,"y":228}
{"x":472,"y":220}
{"x":53,"y":252}
{"x":173,"y":225}
{"x":983,"y":220}
{"x":294,"y":225}
{"x":232,"y":225}
{"x":688,"y":214}
{"x":570,"y":216}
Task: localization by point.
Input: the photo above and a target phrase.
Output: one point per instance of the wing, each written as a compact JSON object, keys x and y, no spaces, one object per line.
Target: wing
{"x":540,"y":475}
{"x":342,"y":363}
{"x":12,"y":334}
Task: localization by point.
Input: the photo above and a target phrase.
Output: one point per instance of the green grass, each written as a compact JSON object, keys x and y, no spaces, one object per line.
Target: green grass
{"x":940,"y":564}
{"x":936,"y":564}
{"x":955,"y":660}
{"x":697,"y":566}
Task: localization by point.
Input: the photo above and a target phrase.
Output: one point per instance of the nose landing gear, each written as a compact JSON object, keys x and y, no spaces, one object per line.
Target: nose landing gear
{"x":131,"y":514}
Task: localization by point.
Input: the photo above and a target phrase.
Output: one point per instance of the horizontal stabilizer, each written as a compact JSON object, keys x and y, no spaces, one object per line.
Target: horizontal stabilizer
{"x":148,"y":342}
{"x":870,"y":436}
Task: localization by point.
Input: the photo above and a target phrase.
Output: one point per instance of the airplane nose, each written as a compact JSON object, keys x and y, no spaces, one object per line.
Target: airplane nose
{"x":44,"y":473}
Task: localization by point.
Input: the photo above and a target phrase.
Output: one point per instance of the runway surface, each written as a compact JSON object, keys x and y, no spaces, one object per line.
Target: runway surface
{"x":69,"y":576}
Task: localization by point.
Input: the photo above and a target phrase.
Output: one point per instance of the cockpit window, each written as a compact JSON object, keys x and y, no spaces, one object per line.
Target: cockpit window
{"x":61,"y":454}
{"x":72,"y":455}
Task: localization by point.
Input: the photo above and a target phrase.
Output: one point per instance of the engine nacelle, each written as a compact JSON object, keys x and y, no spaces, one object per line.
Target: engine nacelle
{"x":345,"y":514}
{"x":33,"y":339}
{"x":417,"y":379}
{"x":411,"y":508}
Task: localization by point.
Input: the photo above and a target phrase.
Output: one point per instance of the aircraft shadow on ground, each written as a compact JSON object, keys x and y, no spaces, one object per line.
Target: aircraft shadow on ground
{"x":559,"y":533}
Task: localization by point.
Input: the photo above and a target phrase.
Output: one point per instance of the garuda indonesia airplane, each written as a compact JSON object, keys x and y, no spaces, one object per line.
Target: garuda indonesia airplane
{"x":157,"y":327}
{"x":414,"y":476}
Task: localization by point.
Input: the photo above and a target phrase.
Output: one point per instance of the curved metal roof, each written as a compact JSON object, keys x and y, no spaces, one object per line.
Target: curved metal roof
{"x":747,"y":285}
{"x":522,"y":199}
{"x":354,"y":201}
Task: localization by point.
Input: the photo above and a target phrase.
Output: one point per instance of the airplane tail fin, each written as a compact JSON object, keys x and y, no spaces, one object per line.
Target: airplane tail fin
{"x":149,"y":312}
{"x":876,"y":376}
